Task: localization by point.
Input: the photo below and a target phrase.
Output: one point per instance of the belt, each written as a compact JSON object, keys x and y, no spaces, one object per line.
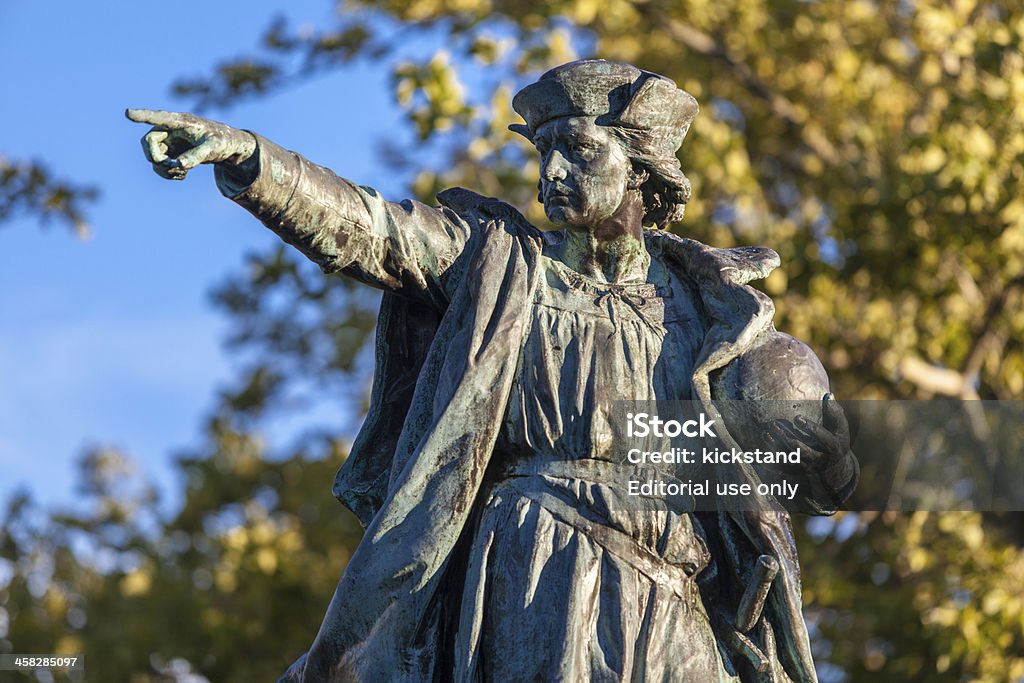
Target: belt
{"x":602,"y":472}
{"x":678,"y":578}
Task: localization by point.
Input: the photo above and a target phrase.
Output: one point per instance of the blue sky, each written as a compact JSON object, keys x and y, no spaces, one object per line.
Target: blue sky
{"x":112,"y":340}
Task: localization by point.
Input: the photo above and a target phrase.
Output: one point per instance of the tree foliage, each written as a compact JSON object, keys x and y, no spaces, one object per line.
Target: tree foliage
{"x":232,"y":586}
{"x":30,"y":188}
{"x":879,"y":147}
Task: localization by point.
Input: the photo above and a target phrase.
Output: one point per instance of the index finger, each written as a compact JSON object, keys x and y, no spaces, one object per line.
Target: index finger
{"x":155,"y":117}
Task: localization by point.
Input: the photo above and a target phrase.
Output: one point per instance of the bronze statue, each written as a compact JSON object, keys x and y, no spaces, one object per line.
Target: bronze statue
{"x":495,"y":549}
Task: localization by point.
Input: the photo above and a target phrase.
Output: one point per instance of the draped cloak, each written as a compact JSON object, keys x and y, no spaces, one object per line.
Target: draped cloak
{"x":442,"y":380}
{"x":417,"y":501}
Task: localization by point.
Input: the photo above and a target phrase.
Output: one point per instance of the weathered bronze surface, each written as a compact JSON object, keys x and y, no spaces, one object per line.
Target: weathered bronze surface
{"x":495,"y":549}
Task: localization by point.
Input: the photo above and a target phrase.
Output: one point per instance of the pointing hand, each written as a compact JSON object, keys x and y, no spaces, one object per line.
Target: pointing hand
{"x":179,"y":141}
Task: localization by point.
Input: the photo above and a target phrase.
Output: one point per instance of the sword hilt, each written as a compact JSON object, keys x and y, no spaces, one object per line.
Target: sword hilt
{"x":754,"y":597}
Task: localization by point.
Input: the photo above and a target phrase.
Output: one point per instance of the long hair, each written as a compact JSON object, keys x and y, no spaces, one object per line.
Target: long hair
{"x":666,"y":190}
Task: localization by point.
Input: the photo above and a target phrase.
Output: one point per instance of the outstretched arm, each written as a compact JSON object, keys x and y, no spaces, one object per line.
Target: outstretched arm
{"x":408,"y":248}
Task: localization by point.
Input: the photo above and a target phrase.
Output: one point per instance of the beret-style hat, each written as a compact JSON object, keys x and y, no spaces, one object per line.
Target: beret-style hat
{"x":617,"y":94}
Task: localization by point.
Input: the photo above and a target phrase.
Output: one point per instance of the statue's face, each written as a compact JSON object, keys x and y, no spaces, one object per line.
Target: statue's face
{"x":583,"y":172}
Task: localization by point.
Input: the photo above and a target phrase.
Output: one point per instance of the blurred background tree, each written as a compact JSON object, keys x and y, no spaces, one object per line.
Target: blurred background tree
{"x":879,"y":147}
{"x":29,"y":187}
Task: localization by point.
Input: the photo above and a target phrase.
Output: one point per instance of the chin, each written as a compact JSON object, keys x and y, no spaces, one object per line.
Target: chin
{"x":556,"y":214}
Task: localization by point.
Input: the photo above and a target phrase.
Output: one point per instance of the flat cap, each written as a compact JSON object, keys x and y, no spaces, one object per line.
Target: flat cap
{"x":616,"y":94}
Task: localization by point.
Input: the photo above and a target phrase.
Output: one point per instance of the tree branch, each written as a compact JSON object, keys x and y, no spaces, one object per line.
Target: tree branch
{"x":987,"y":334}
{"x":935,"y":379}
{"x":780,"y":106}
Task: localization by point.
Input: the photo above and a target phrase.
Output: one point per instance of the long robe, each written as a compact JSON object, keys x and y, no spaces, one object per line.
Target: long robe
{"x":458,"y":282}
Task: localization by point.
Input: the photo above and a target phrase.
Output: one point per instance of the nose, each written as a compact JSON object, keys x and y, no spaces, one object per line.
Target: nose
{"x":554,"y":166}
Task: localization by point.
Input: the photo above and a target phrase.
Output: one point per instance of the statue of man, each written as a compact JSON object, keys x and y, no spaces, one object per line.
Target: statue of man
{"x":495,"y":547}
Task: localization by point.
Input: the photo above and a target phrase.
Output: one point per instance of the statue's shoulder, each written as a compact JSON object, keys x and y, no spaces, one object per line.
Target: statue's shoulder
{"x":704,"y":263}
{"x":478,"y":209}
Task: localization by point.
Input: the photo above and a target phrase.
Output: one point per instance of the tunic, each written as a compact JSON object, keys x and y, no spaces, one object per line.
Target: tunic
{"x":607,"y":606}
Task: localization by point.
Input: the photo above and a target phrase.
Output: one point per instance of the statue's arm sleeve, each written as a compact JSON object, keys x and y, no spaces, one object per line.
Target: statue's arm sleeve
{"x":406,"y":247}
